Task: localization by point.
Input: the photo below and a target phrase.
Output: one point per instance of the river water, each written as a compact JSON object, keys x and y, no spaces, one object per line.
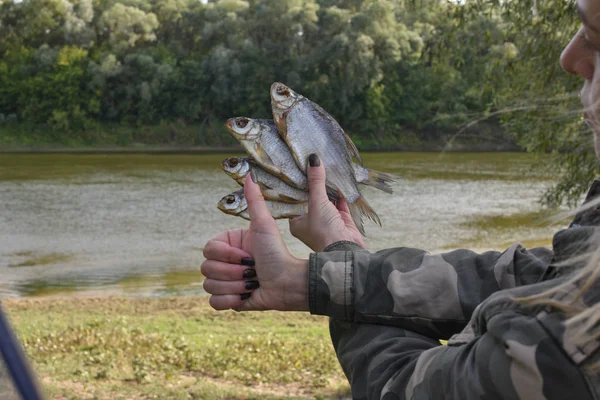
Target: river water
{"x":136,"y":224}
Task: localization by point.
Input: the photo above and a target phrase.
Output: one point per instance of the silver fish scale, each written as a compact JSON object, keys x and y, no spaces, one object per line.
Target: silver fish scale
{"x":273,"y":145}
{"x":280,"y":210}
{"x":309,"y":131}
{"x":276,"y":189}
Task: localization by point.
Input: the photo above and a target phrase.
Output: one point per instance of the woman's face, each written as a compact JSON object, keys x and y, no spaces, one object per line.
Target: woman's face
{"x":582,"y":57}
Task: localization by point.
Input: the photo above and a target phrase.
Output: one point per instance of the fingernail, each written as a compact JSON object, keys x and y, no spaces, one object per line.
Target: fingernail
{"x":245,"y":296}
{"x":253,"y":175}
{"x":249,"y":273}
{"x":251,"y":285}
{"x":248,"y":262}
{"x":313,"y":160}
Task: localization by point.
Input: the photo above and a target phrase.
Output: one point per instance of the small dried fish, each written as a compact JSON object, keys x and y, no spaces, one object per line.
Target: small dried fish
{"x":236,"y":204}
{"x":271,"y":187}
{"x":264,"y":144}
{"x":237,"y":168}
{"x":262,"y":141}
{"x":308,"y":129}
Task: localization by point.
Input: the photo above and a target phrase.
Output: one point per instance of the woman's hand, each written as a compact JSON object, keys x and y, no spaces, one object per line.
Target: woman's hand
{"x":325,"y":223}
{"x":278,"y":281}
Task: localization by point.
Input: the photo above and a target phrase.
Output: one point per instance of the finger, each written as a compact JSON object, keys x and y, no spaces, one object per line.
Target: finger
{"x":226,"y":302}
{"x":315,"y":173}
{"x":222,"y":251}
{"x":298,"y":225}
{"x":225,"y":271}
{"x":344,"y":210}
{"x":342,"y":205}
{"x":257,"y":208}
{"x":216,"y":287}
{"x":234,"y":237}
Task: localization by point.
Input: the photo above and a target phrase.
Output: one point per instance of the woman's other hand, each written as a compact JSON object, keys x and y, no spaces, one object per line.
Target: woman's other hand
{"x":252,"y":269}
{"x":325,"y":223}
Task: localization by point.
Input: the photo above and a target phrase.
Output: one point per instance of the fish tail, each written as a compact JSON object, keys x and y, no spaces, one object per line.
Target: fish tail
{"x":381,"y":180}
{"x":359,"y":208}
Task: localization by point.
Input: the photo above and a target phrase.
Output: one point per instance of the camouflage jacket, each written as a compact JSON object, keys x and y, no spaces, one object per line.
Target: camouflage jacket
{"x":389,"y":309}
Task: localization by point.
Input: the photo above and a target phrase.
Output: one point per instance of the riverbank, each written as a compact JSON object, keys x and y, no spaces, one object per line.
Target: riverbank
{"x":174,"y":348}
{"x":179,"y":137}
{"x":459,"y":148}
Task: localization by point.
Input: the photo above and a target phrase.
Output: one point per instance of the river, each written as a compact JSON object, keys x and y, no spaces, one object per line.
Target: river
{"x":135,"y":224}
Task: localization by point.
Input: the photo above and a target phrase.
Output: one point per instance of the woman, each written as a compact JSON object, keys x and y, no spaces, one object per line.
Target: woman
{"x":522,"y":323}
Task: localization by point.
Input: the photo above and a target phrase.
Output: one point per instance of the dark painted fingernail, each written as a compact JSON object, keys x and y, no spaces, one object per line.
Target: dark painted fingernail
{"x":245,"y":296}
{"x":313,"y":160}
{"x":248,"y":262}
{"x":253,"y":175}
{"x":251,"y":285}
{"x":249,"y":273}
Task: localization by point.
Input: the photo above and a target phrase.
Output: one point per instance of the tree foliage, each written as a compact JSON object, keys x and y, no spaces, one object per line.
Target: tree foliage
{"x":394,"y":73}
{"x":538,"y":101}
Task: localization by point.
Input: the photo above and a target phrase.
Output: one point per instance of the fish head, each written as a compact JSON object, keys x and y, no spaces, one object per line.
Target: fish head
{"x":282,"y":97}
{"x":236,"y":167}
{"x":243,"y":128}
{"x":233,"y":203}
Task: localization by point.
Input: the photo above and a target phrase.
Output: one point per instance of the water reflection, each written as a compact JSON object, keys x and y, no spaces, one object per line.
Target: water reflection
{"x":136,"y":224}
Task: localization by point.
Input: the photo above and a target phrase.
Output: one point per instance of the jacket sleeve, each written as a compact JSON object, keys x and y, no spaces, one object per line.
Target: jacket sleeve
{"x":514,"y":359}
{"x":431,"y":294}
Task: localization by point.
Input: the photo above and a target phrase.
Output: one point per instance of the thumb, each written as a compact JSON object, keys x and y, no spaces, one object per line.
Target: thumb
{"x":315,"y":174}
{"x":257,"y":207}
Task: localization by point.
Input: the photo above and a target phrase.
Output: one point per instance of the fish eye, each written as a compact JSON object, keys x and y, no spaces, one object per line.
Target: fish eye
{"x":230,"y":199}
{"x":242,"y":122}
{"x":233,"y":162}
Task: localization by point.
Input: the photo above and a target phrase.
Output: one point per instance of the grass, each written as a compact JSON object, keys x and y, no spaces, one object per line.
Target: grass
{"x":30,"y":259}
{"x":461,"y":166}
{"x":542,"y":218}
{"x":519,"y":222}
{"x":96,"y":134}
{"x":174,"y":348}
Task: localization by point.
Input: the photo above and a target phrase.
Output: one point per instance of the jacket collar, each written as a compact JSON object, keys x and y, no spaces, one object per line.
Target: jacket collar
{"x":589,"y":217}
{"x":576,"y":240}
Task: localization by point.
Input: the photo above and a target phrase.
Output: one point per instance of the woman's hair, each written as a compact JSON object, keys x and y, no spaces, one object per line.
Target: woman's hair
{"x":583,"y":321}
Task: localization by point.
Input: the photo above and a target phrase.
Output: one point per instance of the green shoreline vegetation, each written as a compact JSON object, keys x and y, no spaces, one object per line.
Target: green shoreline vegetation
{"x":213,"y":138}
{"x":30,"y":259}
{"x":424,"y":75}
{"x":174,"y":348}
{"x":508,"y":225}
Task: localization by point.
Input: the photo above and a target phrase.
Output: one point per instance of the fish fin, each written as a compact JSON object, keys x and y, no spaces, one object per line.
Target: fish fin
{"x":281,"y":124}
{"x":332,"y":194}
{"x":263,"y":186}
{"x":352,"y":148}
{"x":288,"y":215}
{"x":357,"y":218}
{"x":359,"y":208}
{"x":282,"y":176}
{"x":265,"y":160}
{"x":381,"y":180}
{"x":288,"y":199}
